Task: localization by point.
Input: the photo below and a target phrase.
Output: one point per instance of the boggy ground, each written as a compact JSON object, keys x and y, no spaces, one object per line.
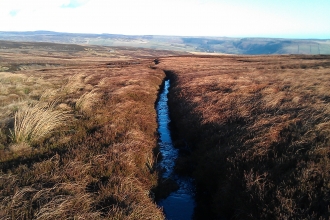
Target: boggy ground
{"x":77,"y":132}
{"x":259,"y":131}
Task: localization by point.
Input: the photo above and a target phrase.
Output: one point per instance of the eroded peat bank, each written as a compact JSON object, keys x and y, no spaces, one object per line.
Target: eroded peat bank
{"x":259,"y":131}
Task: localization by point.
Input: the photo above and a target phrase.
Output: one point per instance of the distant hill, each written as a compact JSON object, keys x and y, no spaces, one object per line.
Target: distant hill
{"x":190,"y":44}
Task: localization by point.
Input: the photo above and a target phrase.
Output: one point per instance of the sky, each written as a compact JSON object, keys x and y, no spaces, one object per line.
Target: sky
{"x":222,"y":18}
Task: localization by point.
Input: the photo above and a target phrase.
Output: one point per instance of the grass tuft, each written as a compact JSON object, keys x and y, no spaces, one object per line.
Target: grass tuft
{"x":34,"y":122}
{"x":85,"y":103}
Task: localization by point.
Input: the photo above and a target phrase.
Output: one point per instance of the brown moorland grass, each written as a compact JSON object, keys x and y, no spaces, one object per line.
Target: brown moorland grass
{"x":92,"y":166}
{"x":259,"y":130}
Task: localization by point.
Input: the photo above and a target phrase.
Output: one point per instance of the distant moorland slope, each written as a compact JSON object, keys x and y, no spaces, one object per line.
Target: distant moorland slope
{"x":191,"y":44}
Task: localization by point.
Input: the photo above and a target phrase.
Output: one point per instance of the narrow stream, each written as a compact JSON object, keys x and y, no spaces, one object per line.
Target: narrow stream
{"x":179,"y":205}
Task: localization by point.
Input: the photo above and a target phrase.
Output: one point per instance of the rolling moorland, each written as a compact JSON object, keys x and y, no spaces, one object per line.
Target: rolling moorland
{"x":225,"y":45}
{"x":78,"y":132}
{"x":258,"y":130}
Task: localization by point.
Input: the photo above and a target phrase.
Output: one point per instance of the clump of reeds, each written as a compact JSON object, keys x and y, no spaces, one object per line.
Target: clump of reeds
{"x":34,"y":122}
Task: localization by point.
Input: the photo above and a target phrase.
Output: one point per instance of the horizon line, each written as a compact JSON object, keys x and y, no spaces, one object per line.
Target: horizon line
{"x":169,"y":35}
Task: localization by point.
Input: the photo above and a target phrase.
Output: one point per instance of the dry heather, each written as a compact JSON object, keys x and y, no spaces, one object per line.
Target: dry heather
{"x":91,"y":163}
{"x":259,"y":129}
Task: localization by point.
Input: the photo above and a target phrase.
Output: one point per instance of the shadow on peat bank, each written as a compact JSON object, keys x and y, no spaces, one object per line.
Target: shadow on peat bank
{"x":261,"y":152}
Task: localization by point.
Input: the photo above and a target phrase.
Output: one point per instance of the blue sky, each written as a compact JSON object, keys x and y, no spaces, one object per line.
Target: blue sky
{"x":231,"y":18}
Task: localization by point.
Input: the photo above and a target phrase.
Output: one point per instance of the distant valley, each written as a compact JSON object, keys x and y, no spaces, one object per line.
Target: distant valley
{"x":222,"y":45}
